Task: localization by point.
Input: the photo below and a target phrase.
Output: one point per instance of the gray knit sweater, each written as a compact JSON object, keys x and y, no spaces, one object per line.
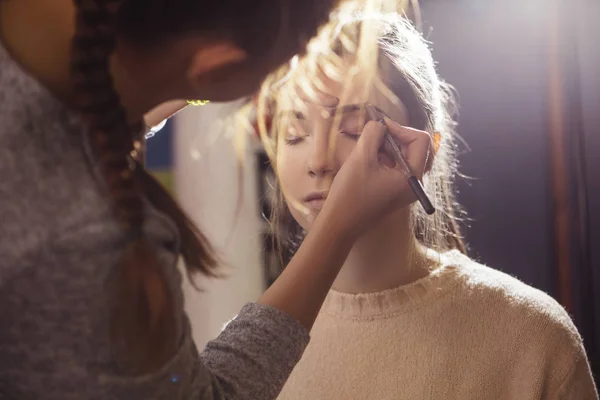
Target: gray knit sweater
{"x":59,"y":243}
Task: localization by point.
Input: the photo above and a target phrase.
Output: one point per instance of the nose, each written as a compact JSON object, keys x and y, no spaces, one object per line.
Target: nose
{"x":321,"y":159}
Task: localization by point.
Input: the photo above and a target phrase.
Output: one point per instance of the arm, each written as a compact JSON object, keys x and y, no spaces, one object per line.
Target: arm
{"x":301,"y":289}
{"x":257,"y":351}
{"x":251,"y":359}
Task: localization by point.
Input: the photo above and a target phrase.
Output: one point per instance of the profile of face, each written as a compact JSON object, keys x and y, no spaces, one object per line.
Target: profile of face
{"x":219,"y":72}
{"x":220,"y":53}
{"x":308,"y":155}
{"x":227,"y":73}
{"x":233,"y":73}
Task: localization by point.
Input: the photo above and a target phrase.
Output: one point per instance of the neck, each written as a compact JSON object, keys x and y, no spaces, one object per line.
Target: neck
{"x":38,"y":34}
{"x":385,"y":257}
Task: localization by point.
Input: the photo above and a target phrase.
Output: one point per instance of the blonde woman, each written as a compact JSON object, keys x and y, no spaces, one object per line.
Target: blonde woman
{"x":410,"y":315}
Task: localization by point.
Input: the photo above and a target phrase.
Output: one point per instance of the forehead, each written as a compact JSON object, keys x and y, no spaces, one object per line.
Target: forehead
{"x":324,"y":92}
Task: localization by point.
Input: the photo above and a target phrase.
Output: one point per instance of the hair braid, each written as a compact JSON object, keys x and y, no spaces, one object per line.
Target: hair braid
{"x":144,"y":320}
{"x":142,"y":316}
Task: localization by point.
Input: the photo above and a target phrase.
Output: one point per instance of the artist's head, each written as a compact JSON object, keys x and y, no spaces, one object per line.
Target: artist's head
{"x":317,"y":105}
{"x":216,"y":50}
{"x":168,"y":49}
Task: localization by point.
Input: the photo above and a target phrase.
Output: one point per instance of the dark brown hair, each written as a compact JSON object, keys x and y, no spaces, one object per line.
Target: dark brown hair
{"x":143,"y":321}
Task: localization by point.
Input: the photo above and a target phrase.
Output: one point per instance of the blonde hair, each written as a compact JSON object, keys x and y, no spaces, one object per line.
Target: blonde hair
{"x":389,"y":54}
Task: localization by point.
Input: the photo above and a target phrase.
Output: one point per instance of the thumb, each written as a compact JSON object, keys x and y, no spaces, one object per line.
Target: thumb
{"x":371,"y":139}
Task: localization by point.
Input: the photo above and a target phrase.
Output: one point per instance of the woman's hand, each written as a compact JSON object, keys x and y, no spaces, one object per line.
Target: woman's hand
{"x":369,"y":185}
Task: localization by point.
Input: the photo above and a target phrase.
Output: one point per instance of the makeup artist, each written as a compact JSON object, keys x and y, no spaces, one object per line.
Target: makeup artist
{"x":91,"y":306}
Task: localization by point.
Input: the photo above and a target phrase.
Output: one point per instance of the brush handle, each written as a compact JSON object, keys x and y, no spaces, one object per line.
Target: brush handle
{"x":422,"y":197}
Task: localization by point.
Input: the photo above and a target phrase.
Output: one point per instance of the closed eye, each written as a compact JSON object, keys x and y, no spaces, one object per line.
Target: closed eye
{"x":351,"y":135}
{"x":292,"y":140}
{"x":296,"y":127}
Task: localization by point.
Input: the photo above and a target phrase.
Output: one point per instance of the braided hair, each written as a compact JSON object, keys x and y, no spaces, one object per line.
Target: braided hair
{"x":143,"y":320}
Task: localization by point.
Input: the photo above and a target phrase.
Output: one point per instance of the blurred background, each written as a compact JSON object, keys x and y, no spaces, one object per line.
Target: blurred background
{"x":528,"y":76}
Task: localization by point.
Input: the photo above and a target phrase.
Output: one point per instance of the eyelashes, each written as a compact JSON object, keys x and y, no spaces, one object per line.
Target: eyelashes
{"x":293,"y":140}
{"x":290,"y":141}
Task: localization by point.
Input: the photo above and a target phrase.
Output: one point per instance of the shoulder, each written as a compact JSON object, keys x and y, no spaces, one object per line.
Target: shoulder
{"x":529,"y":325}
{"x":512,"y":306}
{"x":506,"y":294}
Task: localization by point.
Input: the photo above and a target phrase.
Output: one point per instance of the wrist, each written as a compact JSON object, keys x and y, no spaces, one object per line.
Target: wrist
{"x":331,"y":222}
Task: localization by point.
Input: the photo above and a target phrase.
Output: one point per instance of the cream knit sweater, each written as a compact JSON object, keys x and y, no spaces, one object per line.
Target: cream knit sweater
{"x":464,"y":332}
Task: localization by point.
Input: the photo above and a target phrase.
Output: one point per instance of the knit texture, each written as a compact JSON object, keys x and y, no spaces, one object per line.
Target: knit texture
{"x":464,"y":332}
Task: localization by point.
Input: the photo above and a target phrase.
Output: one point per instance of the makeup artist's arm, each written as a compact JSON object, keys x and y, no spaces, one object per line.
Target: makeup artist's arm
{"x":301,"y":289}
{"x":254,"y":355}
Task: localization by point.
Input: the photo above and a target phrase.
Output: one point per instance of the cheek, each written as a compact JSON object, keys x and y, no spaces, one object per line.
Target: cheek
{"x":291,"y":174}
{"x":288,"y":167}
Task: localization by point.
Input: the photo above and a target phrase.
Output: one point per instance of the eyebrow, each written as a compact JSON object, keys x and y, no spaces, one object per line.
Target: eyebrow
{"x":355,"y":107}
{"x":347,"y":108}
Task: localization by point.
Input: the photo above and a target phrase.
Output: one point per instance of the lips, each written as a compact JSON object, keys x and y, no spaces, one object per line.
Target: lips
{"x":316,"y":200}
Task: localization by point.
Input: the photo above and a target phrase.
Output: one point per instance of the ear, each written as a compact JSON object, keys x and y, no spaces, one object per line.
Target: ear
{"x":436,"y":140}
{"x":212,"y":56}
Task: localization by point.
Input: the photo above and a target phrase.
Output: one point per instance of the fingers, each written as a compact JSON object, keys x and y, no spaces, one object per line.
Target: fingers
{"x":371,"y":139}
{"x":415,"y":145}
